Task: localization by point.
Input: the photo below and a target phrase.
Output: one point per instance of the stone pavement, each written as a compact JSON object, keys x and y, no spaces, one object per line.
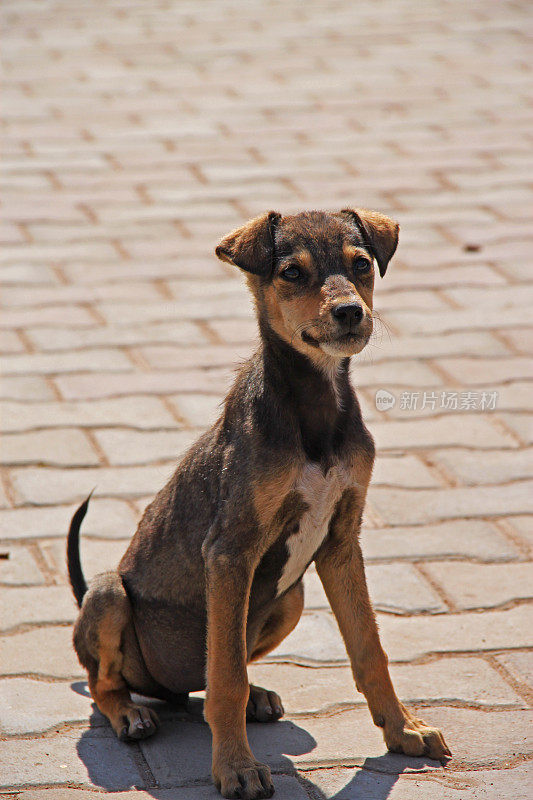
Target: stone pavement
{"x":135,"y":135}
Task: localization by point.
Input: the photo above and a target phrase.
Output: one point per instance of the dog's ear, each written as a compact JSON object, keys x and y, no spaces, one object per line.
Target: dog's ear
{"x":251,"y":247}
{"x":380,"y":234}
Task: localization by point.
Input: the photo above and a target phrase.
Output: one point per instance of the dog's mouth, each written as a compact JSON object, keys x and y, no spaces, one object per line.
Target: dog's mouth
{"x":344,"y":343}
{"x":308,"y":339}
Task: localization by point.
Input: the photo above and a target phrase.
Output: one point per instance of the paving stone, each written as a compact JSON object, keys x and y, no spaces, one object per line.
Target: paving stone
{"x":317,"y":639}
{"x":464,"y":431}
{"x":402,"y":471}
{"x":19,"y":568}
{"x":482,"y":585}
{"x":404,"y":507}
{"x":30,"y":706}
{"x":183,"y":752}
{"x":397,"y":588}
{"x":5,"y":501}
{"x":10,"y":342}
{"x":50,"y":486}
{"x":25,"y":387}
{"x":62,"y":339}
{"x":521,"y":339}
{"x":198,"y":409}
{"x":491,"y":297}
{"x":494,"y":466}
{"x":57,"y":447}
{"x":521,"y":425}
{"x":206,"y":308}
{"x":410,"y":638}
{"x":90,"y":758}
{"x":123,"y":447}
{"x":16,"y":296}
{"x":36,"y":604}
{"x":112,"y":519}
{"x":170,"y":356}
{"x":137,"y":412}
{"x":181,"y":265}
{"x":346,"y":736}
{"x":519,"y":664}
{"x":409,"y":374}
{"x":505,"y":735}
{"x":50,"y":363}
{"x":473,"y":538}
{"x":235,"y":331}
{"x":365,"y":784}
{"x":445,"y":680}
{"x":44,"y":651}
{"x":476,"y":371}
{"x":453,"y":321}
{"x":464,"y":275}
{"x":96,"y":385}
{"x":524,"y":528}
{"x":74,"y":315}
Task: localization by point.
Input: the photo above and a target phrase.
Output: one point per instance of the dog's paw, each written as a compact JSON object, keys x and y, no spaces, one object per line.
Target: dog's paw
{"x":247,"y":780}
{"x":263,"y":706}
{"x":137,"y":722}
{"x":416,"y":738}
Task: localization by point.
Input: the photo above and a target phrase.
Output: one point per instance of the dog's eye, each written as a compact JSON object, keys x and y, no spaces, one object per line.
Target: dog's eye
{"x":361,"y":265}
{"x":291,"y":273}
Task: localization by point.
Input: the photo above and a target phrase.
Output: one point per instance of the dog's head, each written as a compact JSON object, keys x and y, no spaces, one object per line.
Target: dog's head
{"x":312,"y":274}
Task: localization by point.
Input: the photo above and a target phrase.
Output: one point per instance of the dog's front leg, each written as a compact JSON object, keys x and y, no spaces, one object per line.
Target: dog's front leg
{"x":340,"y":566}
{"x":236,"y":773}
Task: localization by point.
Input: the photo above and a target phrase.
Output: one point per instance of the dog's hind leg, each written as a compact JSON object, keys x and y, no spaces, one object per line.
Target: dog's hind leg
{"x":100,"y":638}
{"x":265,"y":705}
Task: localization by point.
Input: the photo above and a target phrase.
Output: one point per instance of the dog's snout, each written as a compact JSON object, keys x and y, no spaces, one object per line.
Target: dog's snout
{"x":348,"y":313}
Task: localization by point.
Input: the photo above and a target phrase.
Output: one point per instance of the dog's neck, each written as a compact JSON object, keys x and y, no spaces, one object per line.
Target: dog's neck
{"x":319,"y":399}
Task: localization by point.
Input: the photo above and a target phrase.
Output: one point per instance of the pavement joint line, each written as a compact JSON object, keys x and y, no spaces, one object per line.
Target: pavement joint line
{"x":439,"y":590}
{"x":427,"y":457}
{"x":56,"y":392}
{"x":93,"y":441}
{"x":143,"y":766}
{"x":425,"y":658}
{"x":504,"y":428}
{"x":328,"y":712}
{"x":508,"y":531}
{"x":206,"y":330}
{"x":9,"y":489}
{"x":519,"y":686}
{"x":441,"y":293}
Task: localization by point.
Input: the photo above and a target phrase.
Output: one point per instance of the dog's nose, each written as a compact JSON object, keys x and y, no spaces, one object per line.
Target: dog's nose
{"x":349,"y":313}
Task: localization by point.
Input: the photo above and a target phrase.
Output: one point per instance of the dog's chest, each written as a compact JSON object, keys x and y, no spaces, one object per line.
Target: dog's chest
{"x":321,"y":493}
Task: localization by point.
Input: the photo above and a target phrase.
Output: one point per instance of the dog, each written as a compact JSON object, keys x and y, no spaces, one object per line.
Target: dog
{"x":212,"y":579}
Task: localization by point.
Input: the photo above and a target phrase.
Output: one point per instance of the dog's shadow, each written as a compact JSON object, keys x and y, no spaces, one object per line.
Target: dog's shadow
{"x":180,"y":755}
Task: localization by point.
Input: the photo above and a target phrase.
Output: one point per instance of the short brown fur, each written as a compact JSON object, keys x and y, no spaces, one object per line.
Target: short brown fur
{"x":280,"y":480}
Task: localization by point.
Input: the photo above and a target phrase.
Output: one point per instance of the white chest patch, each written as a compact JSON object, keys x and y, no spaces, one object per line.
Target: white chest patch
{"x":321,"y":493}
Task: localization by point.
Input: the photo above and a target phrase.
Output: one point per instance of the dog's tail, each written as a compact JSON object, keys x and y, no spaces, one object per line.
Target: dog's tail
{"x":75,"y":573}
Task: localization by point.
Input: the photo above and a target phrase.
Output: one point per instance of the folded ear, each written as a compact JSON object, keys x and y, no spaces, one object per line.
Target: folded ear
{"x":380,"y":234}
{"x":251,"y":247}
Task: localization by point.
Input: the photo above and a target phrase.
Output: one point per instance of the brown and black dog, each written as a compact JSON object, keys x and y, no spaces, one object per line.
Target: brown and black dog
{"x":213,"y":576}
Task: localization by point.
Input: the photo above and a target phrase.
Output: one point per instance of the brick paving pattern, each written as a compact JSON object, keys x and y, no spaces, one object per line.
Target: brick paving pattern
{"x":135,"y":134}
